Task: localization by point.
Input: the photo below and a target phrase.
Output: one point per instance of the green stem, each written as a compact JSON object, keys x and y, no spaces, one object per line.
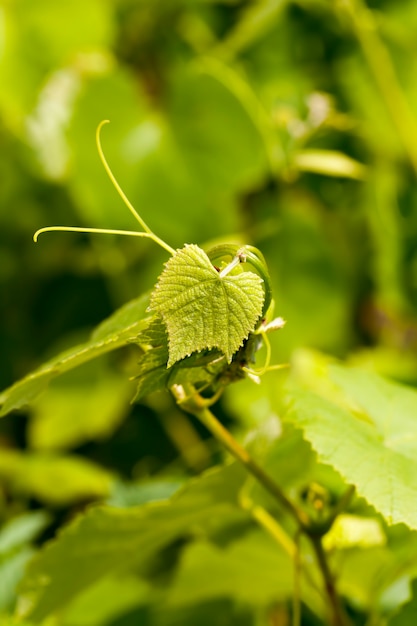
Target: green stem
{"x":382,"y":68}
{"x":222,"y":434}
{"x":194,"y":404}
{"x":270,"y":524}
{"x":296,"y":601}
{"x":339,"y":615}
{"x":187,"y":397}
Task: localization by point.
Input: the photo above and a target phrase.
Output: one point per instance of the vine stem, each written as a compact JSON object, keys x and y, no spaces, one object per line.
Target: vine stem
{"x":340,"y":617}
{"x":188,"y":399}
{"x":194,"y":404}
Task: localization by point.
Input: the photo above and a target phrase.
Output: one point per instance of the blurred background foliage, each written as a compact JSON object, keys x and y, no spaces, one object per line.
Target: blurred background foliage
{"x":290,"y":125}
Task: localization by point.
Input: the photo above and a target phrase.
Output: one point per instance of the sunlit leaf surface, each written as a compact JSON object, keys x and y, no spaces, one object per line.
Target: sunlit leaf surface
{"x":203,"y":309}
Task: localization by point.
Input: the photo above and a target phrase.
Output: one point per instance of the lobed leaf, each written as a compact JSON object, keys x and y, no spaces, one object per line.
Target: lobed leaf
{"x":107,"y":540}
{"x":202,"y":309}
{"x":367,"y":432}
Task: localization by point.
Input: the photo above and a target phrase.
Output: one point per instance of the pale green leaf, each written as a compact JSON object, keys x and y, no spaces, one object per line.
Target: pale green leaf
{"x":118,"y":330}
{"x":106,"y":539}
{"x":407,"y":616}
{"x":22,"y":529}
{"x":329,"y":163}
{"x":54,"y":479}
{"x":12,"y":569}
{"x":202,"y":309}
{"x":15,"y":552}
{"x":367,"y":432}
{"x":350,"y":531}
{"x":132,"y":494}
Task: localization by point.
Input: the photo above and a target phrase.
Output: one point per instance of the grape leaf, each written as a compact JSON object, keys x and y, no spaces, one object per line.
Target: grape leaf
{"x":119,"y":329}
{"x":201,"y":308}
{"x":107,"y":540}
{"x":367,"y":433}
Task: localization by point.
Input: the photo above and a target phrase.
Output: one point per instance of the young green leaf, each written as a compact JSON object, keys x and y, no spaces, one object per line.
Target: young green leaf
{"x":203,"y":308}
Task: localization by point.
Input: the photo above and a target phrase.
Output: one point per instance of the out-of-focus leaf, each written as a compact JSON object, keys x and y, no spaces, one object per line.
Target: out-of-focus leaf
{"x":108,"y":539}
{"x":104,"y":601}
{"x":353,"y":531}
{"x":149,"y":161}
{"x":208,"y":572}
{"x":132,"y":494}
{"x":15,"y":552}
{"x":22,"y":529}
{"x":329,"y":163}
{"x":362,"y":577}
{"x":86,"y":406}
{"x":46,"y":29}
{"x":407,"y":616}
{"x":12,"y":568}
{"x":120,"y":329}
{"x":367,"y":433}
{"x":201,"y":108}
{"x":53,"y":479}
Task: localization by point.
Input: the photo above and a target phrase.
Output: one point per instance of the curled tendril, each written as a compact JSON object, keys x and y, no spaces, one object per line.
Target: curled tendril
{"x":147,"y":232}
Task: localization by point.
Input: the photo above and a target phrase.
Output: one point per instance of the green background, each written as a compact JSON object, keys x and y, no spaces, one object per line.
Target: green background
{"x":287,"y":125}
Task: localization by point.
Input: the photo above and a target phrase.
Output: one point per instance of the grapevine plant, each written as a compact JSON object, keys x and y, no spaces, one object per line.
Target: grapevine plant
{"x":199,"y":331}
